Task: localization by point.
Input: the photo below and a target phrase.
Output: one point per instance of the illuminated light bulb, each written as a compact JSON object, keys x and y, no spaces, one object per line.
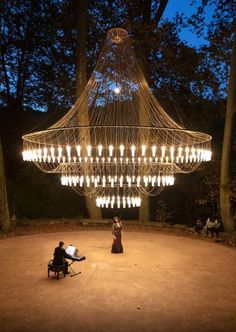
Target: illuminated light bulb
{"x":158,"y":180}
{"x":167,"y":159}
{"x":180,"y":151}
{"x":121,"y":160}
{"x":143,"y":150}
{"x":52,"y":150}
{"x":103,"y":160}
{"x":109,"y":159}
{"x":89,"y":149}
{"x":145,"y":160}
{"x":63,"y":159}
{"x":156,"y":160}
{"x":133,"y":148}
{"x":100,"y":150}
{"x":138,"y":181}
{"x":97,"y":159}
{"x":91,"y":159}
{"x":88,"y":181}
{"x":187,"y":154}
{"x":172,"y":150}
{"x":85,"y":159}
{"x":68,"y":149}
{"x":115,"y":160}
{"x":154,"y":150}
{"x":163,"y":150}
{"x":163,"y":180}
{"x":110,"y":150}
{"x":59,"y":152}
{"x":198,"y":154}
{"x":117,"y":90}
{"x":127,"y":160}
{"x":139,"y":159}
{"x":145,"y":179}
{"x":121,"y":181}
{"x":45,"y":152}
{"x":80,"y":159}
{"x":122,"y":149}
{"x":78,"y":149}
{"x":150,"y":159}
{"x":103,"y":181}
{"x":74,"y":159}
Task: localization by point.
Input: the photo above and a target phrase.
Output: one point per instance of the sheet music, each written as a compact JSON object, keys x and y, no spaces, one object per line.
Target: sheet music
{"x":71,"y":250}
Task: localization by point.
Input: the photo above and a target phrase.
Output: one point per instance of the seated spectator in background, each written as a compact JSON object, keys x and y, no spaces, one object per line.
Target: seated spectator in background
{"x":209,"y":227}
{"x":217,"y":227}
{"x":199,"y":226}
{"x":59,"y":257}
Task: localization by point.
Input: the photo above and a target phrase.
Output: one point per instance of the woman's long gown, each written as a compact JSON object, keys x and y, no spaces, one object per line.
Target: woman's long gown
{"x":117,"y":245}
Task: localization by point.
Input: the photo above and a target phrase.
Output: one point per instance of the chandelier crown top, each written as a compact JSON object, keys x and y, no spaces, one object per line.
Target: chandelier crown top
{"x":117,"y":35}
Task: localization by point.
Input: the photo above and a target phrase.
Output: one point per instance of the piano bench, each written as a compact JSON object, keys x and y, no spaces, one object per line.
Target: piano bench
{"x":56,"y":269}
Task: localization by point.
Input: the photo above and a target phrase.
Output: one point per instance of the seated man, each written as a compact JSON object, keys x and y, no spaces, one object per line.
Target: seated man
{"x":59,"y":256}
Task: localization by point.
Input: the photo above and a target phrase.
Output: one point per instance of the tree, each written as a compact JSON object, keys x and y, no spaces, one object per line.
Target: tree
{"x":81,"y":80}
{"x":225,"y":181}
{"x":4,"y":209}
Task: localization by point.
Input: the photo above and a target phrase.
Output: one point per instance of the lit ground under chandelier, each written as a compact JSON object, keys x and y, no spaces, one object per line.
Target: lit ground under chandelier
{"x":117,"y":142}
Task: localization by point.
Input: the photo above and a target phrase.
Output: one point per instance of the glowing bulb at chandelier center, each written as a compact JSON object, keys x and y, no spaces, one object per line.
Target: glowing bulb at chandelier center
{"x":117,"y":90}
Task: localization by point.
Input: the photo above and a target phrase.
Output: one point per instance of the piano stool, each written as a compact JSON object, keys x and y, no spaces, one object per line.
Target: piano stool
{"x":56,"y":269}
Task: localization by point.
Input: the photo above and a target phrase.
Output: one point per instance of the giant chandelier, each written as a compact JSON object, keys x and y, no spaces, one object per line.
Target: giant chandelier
{"x":117,"y":142}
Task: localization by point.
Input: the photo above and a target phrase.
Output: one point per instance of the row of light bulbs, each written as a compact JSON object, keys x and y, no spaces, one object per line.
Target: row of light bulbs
{"x":183,"y":155}
{"x":117,"y":181}
{"x":124,"y":201}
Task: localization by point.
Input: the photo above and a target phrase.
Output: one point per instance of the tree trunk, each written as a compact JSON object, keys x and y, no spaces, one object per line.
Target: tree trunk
{"x":81,"y":80}
{"x":225,"y":180}
{"x":148,"y":22}
{"x":4,"y":209}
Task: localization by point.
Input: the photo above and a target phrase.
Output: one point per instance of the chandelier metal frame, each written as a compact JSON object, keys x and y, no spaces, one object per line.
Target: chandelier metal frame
{"x":117,"y":143}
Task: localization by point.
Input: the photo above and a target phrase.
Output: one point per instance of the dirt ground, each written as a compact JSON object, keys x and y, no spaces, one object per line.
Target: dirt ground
{"x":160,"y":283}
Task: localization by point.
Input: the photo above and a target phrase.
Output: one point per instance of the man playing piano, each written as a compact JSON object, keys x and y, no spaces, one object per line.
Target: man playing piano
{"x":59,"y":256}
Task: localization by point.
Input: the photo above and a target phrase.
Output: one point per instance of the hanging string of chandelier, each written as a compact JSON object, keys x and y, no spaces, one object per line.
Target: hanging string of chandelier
{"x":117,"y":142}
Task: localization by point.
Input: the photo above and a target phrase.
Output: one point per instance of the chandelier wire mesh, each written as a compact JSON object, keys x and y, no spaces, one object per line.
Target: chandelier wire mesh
{"x":117,"y":142}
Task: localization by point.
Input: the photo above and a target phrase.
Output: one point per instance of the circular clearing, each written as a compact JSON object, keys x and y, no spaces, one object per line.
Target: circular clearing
{"x":160,"y":283}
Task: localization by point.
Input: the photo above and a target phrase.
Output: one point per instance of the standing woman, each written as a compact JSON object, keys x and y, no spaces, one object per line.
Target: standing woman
{"x":117,"y":233}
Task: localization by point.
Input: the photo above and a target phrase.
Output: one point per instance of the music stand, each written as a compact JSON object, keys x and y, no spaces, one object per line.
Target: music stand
{"x":74,"y":272}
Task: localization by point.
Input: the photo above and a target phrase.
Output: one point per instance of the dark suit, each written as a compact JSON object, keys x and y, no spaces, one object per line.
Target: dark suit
{"x":59,"y":257}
